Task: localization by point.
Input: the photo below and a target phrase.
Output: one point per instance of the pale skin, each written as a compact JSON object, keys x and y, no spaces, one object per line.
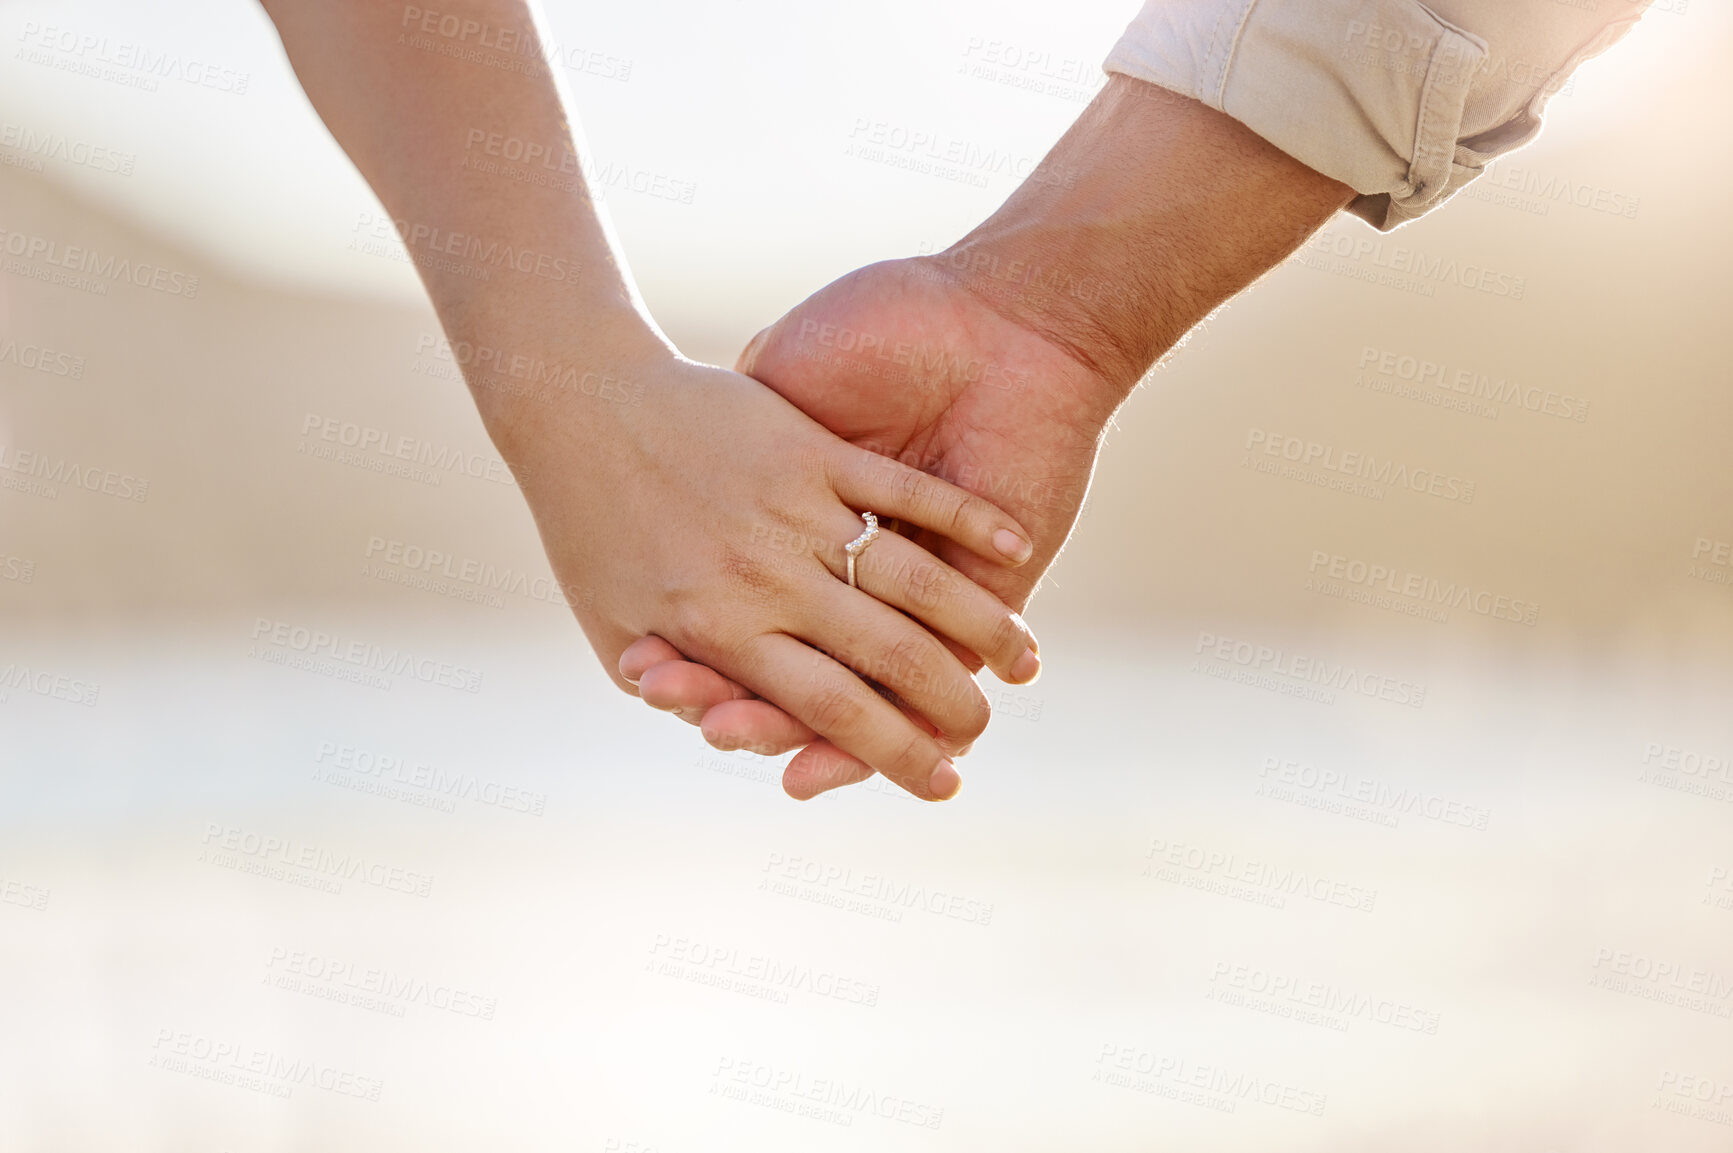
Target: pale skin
{"x":684,"y":501}
{"x":1148,"y":214}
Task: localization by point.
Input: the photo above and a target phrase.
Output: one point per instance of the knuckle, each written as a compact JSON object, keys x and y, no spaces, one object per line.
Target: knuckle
{"x":697,"y":624}
{"x":915,"y":759}
{"x":927,"y":585}
{"x":963,"y":511}
{"x":812,"y":459}
{"x":710,"y":635}
{"x":971,"y":515}
{"x":907,"y":661}
{"x":834,"y":708}
{"x":910,"y":487}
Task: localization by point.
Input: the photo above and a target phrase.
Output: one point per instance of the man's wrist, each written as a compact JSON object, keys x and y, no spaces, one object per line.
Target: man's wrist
{"x":1149,"y":213}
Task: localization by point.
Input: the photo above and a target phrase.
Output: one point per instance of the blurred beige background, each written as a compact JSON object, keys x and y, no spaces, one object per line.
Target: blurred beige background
{"x":1255,"y":865}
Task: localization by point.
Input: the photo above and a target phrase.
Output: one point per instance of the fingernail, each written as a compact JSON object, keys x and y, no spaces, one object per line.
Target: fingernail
{"x":1026,"y":668}
{"x":945,"y":781}
{"x":1014,"y":547}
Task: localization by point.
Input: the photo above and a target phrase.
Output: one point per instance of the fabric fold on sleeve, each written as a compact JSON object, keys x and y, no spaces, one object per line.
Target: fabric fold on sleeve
{"x":1404,"y":102}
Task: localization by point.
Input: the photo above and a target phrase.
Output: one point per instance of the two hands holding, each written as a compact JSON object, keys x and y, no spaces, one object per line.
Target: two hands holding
{"x":963,"y":395}
{"x":922,"y":378}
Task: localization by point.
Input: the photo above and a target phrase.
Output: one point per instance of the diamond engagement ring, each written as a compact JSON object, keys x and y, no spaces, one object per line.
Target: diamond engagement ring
{"x":859,"y":544}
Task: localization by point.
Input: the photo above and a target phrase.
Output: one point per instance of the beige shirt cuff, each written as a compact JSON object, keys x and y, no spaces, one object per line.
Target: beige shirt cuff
{"x":1402,"y":101}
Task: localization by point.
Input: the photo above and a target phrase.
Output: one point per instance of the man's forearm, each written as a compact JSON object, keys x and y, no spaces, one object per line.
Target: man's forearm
{"x":455,"y":121}
{"x":1150,"y":212}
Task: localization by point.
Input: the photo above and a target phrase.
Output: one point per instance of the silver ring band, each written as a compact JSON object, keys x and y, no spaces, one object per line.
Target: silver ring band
{"x":859,"y":544}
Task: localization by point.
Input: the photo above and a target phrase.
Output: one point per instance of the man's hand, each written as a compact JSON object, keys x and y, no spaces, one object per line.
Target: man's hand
{"x":997,"y":363}
{"x":902,"y":359}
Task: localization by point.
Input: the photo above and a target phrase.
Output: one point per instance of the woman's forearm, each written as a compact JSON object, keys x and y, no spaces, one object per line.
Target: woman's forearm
{"x":453,"y":117}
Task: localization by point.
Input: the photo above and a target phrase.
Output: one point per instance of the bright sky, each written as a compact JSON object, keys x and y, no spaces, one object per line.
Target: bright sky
{"x":756,"y":111}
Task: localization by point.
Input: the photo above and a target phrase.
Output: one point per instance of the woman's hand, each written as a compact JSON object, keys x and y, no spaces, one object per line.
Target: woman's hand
{"x":700,"y":507}
{"x":674,"y":500}
{"x":978,"y":397}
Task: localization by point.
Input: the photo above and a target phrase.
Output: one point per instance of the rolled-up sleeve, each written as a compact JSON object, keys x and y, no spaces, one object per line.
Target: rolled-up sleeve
{"x":1402,"y":101}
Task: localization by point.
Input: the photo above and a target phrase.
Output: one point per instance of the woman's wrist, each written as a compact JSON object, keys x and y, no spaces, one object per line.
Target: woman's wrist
{"x":537,"y":360}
